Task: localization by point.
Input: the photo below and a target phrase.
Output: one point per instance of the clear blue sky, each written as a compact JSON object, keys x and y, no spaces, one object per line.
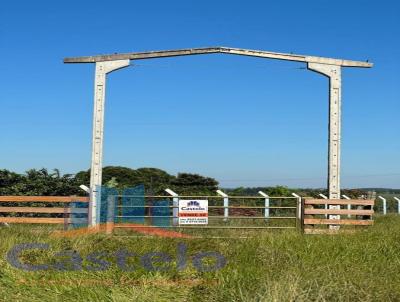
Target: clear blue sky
{"x":244,"y":121}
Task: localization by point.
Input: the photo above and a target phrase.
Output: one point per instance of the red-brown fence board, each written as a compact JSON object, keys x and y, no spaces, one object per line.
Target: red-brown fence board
{"x":314,"y":210}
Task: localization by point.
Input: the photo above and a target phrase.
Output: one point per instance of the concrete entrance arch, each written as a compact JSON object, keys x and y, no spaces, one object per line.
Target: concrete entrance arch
{"x":328,"y":67}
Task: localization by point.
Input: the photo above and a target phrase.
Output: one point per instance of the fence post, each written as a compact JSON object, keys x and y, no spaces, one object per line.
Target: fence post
{"x":384,"y":204}
{"x":349,"y":205}
{"x":94,"y":208}
{"x":67,"y":215}
{"x":88,"y":191}
{"x":326,"y":205}
{"x":175,"y":204}
{"x":266,"y":209}
{"x":226,"y":204}
{"x":110,"y":214}
{"x":398,"y":204}
{"x":298,"y":205}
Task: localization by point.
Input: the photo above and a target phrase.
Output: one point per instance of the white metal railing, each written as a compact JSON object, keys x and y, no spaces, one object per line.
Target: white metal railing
{"x":236,"y":204}
{"x":385,"y":204}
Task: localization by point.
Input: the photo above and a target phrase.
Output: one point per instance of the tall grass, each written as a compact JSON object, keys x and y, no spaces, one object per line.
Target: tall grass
{"x":269,"y":266}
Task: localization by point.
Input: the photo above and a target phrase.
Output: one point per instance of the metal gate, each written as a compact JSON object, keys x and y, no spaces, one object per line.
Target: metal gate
{"x":133,"y":213}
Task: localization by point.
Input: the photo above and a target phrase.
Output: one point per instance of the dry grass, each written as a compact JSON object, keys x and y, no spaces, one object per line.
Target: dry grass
{"x":271,"y":266}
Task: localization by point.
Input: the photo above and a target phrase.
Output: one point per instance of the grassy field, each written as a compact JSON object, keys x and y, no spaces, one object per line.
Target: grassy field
{"x":270,"y":266}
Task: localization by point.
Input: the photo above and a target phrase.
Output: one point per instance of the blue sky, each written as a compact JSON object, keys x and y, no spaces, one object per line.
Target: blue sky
{"x":245,"y":121}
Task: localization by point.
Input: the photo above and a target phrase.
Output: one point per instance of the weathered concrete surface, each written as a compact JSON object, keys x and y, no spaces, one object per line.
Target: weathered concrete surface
{"x":333,"y":72}
{"x":211,"y":50}
{"x":102,"y":69}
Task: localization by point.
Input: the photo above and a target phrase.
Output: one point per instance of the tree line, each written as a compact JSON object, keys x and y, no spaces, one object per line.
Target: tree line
{"x":54,"y":183}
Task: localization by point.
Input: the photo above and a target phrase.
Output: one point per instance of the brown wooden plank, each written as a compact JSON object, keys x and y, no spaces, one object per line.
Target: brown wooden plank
{"x":42,"y":210}
{"x":109,"y":227}
{"x":43,"y":220}
{"x":337,"y":212}
{"x":32,"y":220}
{"x":362,"y":202}
{"x":43,"y":199}
{"x":338,"y":221}
{"x":326,"y":231}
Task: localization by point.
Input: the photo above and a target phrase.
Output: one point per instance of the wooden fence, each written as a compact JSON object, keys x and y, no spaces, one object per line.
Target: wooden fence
{"x":317,"y":213}
{"x":48,"y":205}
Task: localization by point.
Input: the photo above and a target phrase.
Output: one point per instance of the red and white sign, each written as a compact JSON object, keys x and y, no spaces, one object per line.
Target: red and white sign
{"x":193,"y":212}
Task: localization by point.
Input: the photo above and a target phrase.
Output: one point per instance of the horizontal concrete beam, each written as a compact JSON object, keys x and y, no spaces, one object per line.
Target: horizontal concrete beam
{"x":211,"y":50}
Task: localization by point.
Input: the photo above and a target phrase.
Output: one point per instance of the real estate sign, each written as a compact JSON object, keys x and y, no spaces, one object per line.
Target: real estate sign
{"x":193,"y":212}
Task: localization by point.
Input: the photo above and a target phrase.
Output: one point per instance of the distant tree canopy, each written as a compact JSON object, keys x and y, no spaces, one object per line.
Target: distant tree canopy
{"x":43,"y":182}
{"x":38,"y":182}
{"x":186,"y":183}
{"x":154,"y":180}
{"x":271,"y":191}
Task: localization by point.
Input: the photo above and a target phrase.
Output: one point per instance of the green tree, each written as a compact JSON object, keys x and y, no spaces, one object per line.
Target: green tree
{"x":9,"y":182}
{"x":38,"y":182}
{"x":186,"y":183}
{"x":154,"y":180}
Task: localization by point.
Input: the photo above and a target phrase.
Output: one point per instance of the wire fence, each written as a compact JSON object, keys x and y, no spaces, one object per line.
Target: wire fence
{"x":224,"y":213}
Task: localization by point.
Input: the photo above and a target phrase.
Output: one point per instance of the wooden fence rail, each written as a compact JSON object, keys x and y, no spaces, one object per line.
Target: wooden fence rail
{"x":67,"y":199}
{"x":316,"y":214}
{"x":8,"y":212}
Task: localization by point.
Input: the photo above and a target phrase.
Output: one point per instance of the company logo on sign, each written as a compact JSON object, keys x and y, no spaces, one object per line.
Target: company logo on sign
{"x":193,"y":205}
{"x":193,"y":211}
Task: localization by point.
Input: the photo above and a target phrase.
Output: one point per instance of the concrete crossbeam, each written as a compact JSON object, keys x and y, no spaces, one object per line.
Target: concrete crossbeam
{"x":211,"y":50}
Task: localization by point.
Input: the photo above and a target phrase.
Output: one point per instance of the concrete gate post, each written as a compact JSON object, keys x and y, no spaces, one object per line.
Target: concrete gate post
{"x":333,"y":72}
{"x":102,"y":69}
